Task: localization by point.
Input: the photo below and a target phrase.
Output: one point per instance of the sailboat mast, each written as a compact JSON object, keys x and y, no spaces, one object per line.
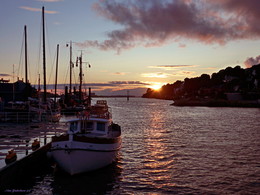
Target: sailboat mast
{"x":70,"y":66}
{"x":44,"y":59}
{"x":39,"y":83}
{"x":13,"y":84}
{"x":80,"y":77}
{"x":56,"y":77}
{"x":25,"y":53}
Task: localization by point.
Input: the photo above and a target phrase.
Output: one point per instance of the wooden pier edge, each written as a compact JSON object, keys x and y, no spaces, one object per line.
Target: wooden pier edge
{"x":14,"y":173}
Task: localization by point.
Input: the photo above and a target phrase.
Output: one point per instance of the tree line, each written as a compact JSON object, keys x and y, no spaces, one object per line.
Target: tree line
{"x":229,"y":80}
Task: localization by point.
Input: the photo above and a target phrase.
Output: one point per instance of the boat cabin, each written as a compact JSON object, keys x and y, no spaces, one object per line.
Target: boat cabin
{"x":95,"y":126}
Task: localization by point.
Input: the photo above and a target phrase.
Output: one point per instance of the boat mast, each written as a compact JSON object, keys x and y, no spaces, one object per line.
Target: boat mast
{"x":44,"y":59}
{"x":56,"y":77}
{"x":39,"y":83}
{"x":80,"y":77}
{"x":25,"y":53}
{"x":70,"y":66}
{"x":26,"y":63}
{"x":13,"y":84}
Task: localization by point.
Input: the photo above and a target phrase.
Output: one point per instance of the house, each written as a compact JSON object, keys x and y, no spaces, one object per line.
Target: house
{"x":17,"y":91}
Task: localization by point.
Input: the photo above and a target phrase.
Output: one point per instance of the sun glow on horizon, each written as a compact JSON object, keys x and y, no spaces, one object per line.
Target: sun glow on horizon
{"x":156,"y":87}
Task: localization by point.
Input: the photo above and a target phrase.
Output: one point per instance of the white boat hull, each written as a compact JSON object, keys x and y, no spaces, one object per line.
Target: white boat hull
{"x":92,"y":141}
{"x":77,"y":157}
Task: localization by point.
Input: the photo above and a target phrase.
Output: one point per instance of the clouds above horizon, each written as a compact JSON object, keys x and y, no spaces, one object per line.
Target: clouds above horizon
{"x":156,"y":75}
{"x":106,"y":84}
{"x":172,"y":67}
{"x":119,"y":73}
{"x":37,"y":10}
{"x":4,"y":75}
{"x":252,"y":61}
{"x":156,"y":22}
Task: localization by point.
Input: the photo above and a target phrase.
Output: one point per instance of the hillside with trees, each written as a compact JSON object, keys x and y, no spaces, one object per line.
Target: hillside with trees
{"x":230,"y":85}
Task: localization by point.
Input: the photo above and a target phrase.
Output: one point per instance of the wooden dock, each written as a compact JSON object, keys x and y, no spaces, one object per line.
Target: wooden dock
{"x":16,"y":172}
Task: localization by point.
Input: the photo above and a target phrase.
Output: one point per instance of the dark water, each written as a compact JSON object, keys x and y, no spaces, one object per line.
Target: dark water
{"x":171,"y":150}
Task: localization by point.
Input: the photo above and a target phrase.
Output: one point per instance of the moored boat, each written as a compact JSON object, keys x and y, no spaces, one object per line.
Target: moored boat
{"x":10,"y":157}
{"x":92,"y":141}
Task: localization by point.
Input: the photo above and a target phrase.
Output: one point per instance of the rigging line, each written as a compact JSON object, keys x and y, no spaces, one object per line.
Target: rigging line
{"x":20,"y":60}
{"x":66,"y":77}
{"x":84,"y":83}
{"x":39,"y":55}
{"x":28,"y":66}
{"x":83,"y":77}
{"x":75,"y":78}
{"x":49,"y":49}
{"x":53,"y":64}
{"x":28,"y":63}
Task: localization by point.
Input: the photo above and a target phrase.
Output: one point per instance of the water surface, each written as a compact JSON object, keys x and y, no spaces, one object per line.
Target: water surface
{"x":171,"y":150}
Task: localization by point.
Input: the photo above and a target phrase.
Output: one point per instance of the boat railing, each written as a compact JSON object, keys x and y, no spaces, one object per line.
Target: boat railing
{"x":105,"y":115}
{"x":22,"y":117}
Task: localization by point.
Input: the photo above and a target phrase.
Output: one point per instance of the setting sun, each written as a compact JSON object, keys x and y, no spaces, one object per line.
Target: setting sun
{"x":156,"y":87}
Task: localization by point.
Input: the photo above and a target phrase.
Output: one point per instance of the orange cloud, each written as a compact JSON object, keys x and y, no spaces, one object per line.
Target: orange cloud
{"x":37,"y":10}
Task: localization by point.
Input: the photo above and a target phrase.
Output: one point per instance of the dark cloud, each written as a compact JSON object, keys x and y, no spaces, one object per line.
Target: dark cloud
{"x":156,"y":22}
{"x":252,"y":61}
{"x":4,"y":75}
{"x":246,"y":15}
{"x":107,"y":84}
{"x":136,"y":88}
{"x":127,"y":83}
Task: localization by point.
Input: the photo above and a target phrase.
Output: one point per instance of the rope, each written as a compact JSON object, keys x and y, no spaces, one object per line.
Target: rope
{"x":20,"y":60}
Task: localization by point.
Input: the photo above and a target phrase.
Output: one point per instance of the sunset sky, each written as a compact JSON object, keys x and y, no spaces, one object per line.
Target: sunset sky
{"x":130,"y":43}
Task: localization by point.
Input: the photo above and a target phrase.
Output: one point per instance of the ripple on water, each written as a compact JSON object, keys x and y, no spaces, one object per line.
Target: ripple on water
{"x":172,"y":150}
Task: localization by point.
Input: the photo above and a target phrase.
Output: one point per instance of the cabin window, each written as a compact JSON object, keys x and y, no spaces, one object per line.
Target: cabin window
{"x":89,"y":126}
{"x":101,"y":126}
{"x":86,"y":126}
{"x":73,"y":126}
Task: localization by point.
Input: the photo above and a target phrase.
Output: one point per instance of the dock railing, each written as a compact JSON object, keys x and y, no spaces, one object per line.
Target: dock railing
{"x":20,"y":117}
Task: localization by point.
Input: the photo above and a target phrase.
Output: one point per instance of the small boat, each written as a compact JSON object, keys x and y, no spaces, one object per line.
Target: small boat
{"x":35,"y":144}
{"x":91,"y":142}
{"x":10,"y":157}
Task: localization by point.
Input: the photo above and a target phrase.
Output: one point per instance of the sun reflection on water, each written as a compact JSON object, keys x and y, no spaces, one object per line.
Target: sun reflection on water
{"x":157,"y":163}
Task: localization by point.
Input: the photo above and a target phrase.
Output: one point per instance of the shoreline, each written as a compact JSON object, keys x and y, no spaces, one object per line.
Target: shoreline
{"x":217,"y":103}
